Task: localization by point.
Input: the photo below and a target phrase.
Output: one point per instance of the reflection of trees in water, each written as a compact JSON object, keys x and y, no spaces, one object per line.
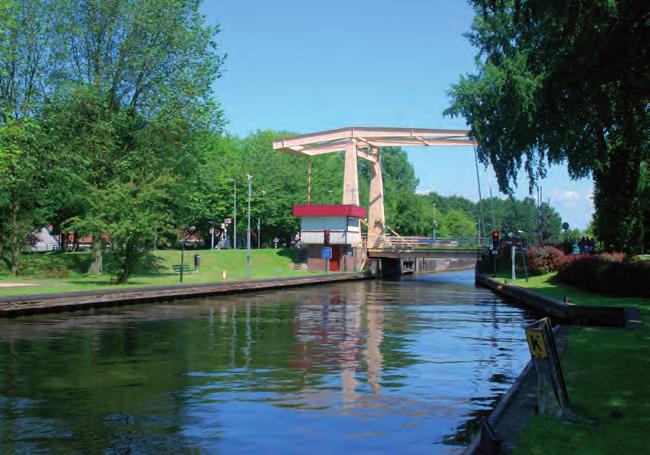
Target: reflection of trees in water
{"x":68,"y":392}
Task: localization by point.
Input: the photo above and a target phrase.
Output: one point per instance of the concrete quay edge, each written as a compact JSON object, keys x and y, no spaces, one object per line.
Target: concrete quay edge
{"x":27,"y":305}
{"x":567,"y":313}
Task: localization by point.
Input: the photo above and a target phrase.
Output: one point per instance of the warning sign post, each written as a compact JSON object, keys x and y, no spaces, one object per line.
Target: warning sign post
{"x":552,"y":395}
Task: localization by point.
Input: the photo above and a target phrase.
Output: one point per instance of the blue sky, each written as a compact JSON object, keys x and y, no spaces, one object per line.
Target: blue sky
{"x":306,"y":66}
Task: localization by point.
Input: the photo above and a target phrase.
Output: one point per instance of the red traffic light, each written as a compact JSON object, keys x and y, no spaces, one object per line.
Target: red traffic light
{"x":495,"y":240}
{"x":326,"y":237}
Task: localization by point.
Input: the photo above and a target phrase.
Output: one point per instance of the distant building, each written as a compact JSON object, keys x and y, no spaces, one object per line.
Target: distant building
{"x":82,"y":242}
{"x":42,"y":240}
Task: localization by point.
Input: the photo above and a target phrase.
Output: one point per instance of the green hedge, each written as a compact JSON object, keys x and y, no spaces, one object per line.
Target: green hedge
{"x":602,"y":274}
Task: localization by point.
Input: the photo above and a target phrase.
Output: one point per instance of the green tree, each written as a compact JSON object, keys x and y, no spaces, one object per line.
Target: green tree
{"x":549,"y":87}
{"x":129,"y":211}
{"x":279,"y":182}
{"x":26,"y":64}
{"x":134,"y":92}
{"x":22,"y":181}
{"x":456,"y":223}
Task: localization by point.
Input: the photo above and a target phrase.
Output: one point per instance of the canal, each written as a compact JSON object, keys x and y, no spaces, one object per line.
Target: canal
{"x":404,"y":366}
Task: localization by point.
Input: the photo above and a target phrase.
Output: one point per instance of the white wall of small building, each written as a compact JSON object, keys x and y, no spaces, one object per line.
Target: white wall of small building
{"x":343,"y":230}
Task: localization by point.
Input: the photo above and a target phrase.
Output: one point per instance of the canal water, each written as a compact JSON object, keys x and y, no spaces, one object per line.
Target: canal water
{"x":404,"y":366}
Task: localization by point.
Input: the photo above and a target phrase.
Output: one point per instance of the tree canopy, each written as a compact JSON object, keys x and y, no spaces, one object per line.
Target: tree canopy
{"x":564,"y":82}
{"x":120,"y":92}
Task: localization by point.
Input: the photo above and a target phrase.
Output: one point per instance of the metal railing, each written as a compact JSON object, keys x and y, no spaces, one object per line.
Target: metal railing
{"x":420,"y":242}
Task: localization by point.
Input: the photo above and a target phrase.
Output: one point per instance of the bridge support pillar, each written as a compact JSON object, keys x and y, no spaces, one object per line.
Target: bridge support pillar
{"x":350,"y":176}
{"x":376,"y":218}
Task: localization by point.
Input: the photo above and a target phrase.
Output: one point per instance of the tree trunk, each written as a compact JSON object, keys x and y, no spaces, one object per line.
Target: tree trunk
{"x":96,"y":267}
{"x":14,"y":236}
{"x":617,"y":197}
{"x":129,"y":260}
{"x":645,"y":205}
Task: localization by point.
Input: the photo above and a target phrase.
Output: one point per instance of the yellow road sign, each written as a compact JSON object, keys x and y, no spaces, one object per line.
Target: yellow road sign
{"x":536,"y":344}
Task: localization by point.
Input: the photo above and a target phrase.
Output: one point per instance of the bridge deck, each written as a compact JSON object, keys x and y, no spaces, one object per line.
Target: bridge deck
{"x":435,"y":253}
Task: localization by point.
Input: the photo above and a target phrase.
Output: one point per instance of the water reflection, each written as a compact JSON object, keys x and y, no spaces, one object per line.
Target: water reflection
{"x":404,"y":366}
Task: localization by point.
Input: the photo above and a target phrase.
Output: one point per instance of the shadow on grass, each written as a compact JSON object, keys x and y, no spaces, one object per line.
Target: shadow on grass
{"x":291,"y":253}
{"x":148,"y":265}
{"x":51,"y":264}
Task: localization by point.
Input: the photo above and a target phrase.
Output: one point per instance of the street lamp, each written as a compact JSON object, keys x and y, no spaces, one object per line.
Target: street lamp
{"x":190,"y":230}
{"x":248,"y":231}
{"x":434,"y":223}
{"x":234,"y":199}
{"x":259,"y":229}
{"x":212,"y":225}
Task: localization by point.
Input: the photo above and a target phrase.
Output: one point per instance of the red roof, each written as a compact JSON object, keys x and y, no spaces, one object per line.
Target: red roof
{"x":355,"y":211}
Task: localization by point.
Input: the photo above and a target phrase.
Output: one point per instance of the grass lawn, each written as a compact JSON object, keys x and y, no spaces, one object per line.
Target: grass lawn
{"x":63,"y":272}
{"x":608,"y":377}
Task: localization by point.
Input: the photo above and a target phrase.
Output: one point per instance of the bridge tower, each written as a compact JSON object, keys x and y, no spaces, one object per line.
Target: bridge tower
{"x":364,"y":142}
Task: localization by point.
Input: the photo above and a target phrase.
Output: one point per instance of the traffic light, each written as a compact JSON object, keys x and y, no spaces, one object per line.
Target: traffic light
{"x":495,"y":239}
{"x":326,"y":237}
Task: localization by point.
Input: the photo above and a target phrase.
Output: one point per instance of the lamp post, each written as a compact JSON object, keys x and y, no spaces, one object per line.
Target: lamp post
{"x":248,"y":230}
{"x":259,"y":229}
{"x":234,"y":199}
{"x":189,"y":230}
{"x":212,"y":225}
{"x":434,"y":223}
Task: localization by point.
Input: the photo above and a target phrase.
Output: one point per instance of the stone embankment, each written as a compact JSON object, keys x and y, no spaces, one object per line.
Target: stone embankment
{"x":564,"y":311}
{"x":75,"y":301}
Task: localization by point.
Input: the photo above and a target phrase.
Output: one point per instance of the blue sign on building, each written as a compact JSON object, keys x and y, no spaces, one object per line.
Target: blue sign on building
{"x":326,"y":252}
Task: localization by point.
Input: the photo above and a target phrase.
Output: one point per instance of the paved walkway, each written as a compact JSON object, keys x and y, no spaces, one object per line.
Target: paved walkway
{"x":15,"y":284}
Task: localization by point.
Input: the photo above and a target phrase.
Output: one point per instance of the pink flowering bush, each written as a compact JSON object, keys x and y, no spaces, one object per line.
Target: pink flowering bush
{"x":544,"y":259}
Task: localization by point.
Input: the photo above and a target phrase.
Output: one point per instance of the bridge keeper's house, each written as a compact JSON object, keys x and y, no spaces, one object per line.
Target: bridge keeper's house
{"x":336,"y":226}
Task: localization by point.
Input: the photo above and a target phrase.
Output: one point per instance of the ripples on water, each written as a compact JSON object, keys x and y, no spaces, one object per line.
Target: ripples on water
{"x":365,"y":367}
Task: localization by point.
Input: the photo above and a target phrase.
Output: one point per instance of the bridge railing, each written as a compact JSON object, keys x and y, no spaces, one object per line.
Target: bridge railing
{"x":421,"y":242}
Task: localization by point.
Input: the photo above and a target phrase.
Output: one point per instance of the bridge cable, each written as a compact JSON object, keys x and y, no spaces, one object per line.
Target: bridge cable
{"x":480,"y":198}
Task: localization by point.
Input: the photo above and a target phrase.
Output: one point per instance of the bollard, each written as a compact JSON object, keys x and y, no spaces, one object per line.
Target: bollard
{"x":223,"y":274}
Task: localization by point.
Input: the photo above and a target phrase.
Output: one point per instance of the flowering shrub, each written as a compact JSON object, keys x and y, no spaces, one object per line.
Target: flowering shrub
{"x":567,"y":259}
{"x":544,"y":259}
{"x":609,"y":275}
{"x":613,"y":257}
